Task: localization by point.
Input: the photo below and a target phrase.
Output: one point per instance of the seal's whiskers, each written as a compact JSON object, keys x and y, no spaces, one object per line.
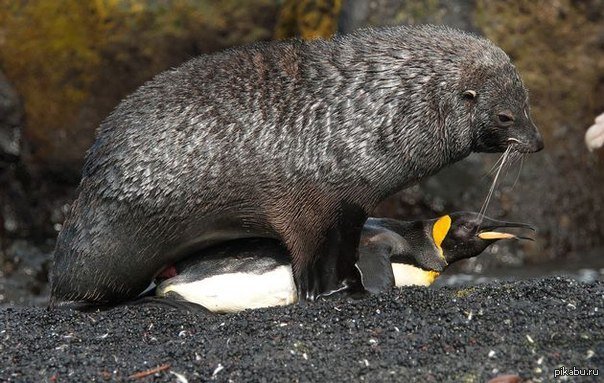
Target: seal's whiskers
{"x":511,"y":160}
{"x":496,"y":165}
{"x":485,"y":205}
{"x":521,"y":158}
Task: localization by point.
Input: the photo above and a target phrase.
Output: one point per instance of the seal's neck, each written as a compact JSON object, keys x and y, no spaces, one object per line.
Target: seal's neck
{"x":406,"y":143}
{"x":379,"y":120}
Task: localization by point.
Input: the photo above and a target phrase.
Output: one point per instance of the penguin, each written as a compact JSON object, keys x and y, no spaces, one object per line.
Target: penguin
{"x":255,"y":273}
{"x":419,"y":251}
{"x":233,"y":276}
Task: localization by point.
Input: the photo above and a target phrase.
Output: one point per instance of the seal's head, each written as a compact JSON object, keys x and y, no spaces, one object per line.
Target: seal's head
{"x":499,"y":105}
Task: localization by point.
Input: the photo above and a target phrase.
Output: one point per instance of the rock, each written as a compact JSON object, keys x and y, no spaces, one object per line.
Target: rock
{"x":506,"y":379}
{"x":11,"y":114}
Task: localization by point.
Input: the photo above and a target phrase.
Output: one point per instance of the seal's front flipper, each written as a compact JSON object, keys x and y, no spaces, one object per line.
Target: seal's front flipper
{"x":333,"y":269}
{"x":327,"y":275}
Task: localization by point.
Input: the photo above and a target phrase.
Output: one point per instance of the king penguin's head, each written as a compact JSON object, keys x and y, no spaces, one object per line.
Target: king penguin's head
{"x":467,"y":235}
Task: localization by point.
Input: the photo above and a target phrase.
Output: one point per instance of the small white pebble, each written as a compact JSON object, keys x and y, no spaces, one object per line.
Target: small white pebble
{"x":337,"y":308}
{"x":179,"y":377}
{"x":571,"y":306}
{"x":282,"y":324}
{"x":105,"y":335}
{"x":470,"y":315}
{"x":366,"y":362}
{"x":538,"y":370}
{"x":396,"y":329}
{"x":540,"y":360}
{"x":378,"y":311}
{"x":182,"y":333}
{"x":305,"y":356}
{"x":217,"y":370}
{"x":590,"y":354}
{"x":492,"y":354}
{"x":373,"y":341}
{"x":528,"y":337}
{"x":197,"y":357}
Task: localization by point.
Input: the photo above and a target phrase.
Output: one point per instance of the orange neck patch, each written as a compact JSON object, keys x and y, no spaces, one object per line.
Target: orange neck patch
{"x":439,"y":232}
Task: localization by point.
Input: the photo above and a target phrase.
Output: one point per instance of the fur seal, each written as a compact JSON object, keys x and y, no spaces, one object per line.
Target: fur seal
{"x":293,"y":140}
{"x":253,"y":273}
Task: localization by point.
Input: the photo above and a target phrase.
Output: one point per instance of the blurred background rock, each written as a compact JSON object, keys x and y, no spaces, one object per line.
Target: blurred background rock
{"x":65,"y":64}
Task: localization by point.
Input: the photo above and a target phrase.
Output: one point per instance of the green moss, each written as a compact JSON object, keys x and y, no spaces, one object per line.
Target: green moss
{"x":309,"y":19}
{"x":414,"y":12}
{"x":72,"y":61}
{"x":463,"y":293}
{"x":48,"y":53}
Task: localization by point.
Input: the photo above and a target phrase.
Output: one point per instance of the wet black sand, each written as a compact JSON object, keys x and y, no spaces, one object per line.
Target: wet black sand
{"x":440,"y":334}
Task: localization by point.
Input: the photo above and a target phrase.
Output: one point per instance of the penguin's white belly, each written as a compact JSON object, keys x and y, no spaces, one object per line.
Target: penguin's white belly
{"x":408,"y":275}
{"x":233,"y":292}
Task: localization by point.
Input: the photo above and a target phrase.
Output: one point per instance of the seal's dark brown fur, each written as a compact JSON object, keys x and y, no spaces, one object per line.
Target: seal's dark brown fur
{"x":290,"y":140}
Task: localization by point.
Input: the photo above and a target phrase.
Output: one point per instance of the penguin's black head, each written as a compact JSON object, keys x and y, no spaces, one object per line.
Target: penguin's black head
{"x":468,"y":235}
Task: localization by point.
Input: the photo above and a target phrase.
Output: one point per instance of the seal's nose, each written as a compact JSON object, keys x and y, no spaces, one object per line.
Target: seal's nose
{"x":528,"y":141}
{"x":535,"y":141}
{"x":538,"y":142}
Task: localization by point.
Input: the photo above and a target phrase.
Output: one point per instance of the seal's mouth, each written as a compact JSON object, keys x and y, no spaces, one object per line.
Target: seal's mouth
{"x":525,"y":147}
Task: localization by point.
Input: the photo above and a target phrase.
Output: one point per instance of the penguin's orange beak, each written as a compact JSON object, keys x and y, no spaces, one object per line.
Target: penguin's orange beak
{"x":492,"y":230}
{"x":496,"y":235}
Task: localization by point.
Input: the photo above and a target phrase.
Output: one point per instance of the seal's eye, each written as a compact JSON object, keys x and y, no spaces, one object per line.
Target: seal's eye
{"x":505,"y":119}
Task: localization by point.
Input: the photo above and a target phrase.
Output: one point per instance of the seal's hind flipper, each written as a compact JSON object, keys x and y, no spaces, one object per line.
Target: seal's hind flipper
{"x":173,"y":300}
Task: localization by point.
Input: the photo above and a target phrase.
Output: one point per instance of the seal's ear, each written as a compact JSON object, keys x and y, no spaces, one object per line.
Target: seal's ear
{"x":469,"y":94}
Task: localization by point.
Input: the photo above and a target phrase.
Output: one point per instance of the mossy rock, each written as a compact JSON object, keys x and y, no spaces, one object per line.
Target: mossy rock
{"x":72,"y":61}
{"x":308,"y":19}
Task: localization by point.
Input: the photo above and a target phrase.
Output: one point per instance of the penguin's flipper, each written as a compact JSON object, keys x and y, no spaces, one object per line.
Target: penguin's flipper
{"x":379,"y":243}
{"x":374,"y":261}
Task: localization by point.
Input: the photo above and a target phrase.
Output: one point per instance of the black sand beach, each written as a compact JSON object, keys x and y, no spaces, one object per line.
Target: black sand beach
{"x":469,"y":334}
